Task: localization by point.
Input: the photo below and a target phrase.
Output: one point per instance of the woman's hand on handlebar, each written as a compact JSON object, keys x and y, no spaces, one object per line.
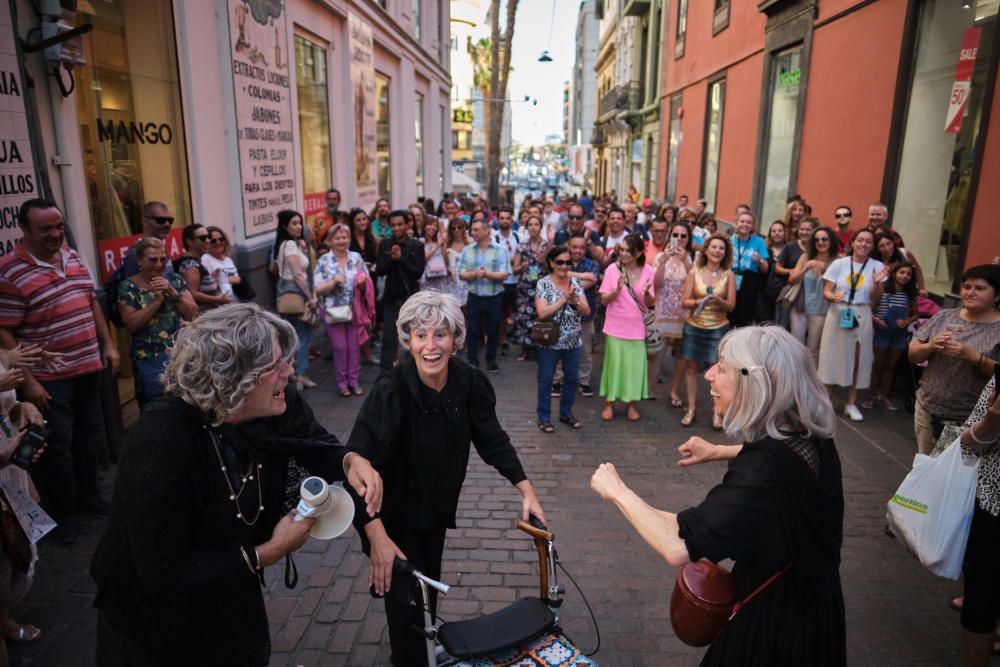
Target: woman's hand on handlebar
{"x":529,"y":502}
{"x":383,"y":553}
{"x":696,"y":450}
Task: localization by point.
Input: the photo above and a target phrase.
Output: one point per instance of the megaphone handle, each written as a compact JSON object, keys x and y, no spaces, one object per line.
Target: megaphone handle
{"x":298,"y":518}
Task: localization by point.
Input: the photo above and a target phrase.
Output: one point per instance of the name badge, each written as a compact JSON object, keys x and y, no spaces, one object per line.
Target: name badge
{"x":847,"y":319}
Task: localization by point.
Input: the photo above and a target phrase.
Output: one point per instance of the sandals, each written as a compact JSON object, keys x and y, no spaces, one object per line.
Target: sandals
{"x":357,"y":391}
{"x":546,"y":427}
{"x":571,"y":421}
{"x":632,"y":414}
{"x":716,"y":423}
{"x":608,"y":413}
{"x":345,"y":392}
{"x":687,"y":419}
{"x":676,"y":402}
{"x":21,"y":634}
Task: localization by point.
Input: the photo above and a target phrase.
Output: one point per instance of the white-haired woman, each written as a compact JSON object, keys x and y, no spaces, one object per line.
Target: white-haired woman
{"x":778,"y":512}
{"x":415,"y":426}
{"x":196,"y":513}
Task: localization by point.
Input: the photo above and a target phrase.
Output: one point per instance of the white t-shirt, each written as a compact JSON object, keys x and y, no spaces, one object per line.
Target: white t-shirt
{"x":840,"y":271}
{"x":221,"y":270}
{"x":612,"y":242}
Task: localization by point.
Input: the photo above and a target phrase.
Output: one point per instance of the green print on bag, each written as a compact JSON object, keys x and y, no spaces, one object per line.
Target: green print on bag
{"x":909,"y":503}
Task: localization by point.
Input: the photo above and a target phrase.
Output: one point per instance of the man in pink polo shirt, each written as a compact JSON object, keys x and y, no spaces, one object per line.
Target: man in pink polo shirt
{"x":47,"y":298}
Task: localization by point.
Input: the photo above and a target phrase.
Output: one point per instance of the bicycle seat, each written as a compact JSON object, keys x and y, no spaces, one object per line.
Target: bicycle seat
{"x":519,"y":623}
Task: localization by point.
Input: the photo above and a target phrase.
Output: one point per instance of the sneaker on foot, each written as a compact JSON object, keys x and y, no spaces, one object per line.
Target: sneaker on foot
{"x":869,"y":402}
{"x":493,"y":368}
{"x":585,"y":390}
{"x":889,"y":405}
{"x":852,"y":411}
{"x":557,"y":389}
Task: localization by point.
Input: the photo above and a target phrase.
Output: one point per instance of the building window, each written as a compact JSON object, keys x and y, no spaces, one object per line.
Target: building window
{"x":784,"y":113}
{"x":673,"y":146}
{"x":417,"y":6}
{"x":460,"y":140}
{"x":314,"y":124}
{"x":454,"y":43}
{"x":944,"y":117}
{"x":131,"y":123}
{"x":720,"y":16}
{"x":681,"y":32}
{"x":713,"y":142}
{"x":418,"y":132}
{"x":382,"y":156}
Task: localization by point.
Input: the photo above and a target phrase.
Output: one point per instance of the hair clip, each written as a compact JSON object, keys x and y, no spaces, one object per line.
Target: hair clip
{"x":746,"y":371}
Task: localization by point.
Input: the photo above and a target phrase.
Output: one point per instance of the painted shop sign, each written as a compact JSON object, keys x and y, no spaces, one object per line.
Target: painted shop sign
{"x":258,"y":37}
{"x":18,"y":176}
{"x":362,"y":70}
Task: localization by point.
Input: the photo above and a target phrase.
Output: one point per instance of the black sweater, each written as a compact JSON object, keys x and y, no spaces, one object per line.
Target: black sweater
{"x":169,"y":572}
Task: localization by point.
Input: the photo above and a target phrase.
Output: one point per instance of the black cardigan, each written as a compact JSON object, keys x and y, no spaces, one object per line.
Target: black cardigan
{"x":418,"y":440}
{"x":169,"y":572}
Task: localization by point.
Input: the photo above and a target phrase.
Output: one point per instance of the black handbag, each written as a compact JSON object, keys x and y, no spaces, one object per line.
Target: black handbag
{"x":545,"y":333}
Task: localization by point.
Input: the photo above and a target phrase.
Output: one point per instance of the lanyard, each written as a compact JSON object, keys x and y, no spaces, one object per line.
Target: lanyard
{"x":742,"y":250}
{"x":854,"y":280}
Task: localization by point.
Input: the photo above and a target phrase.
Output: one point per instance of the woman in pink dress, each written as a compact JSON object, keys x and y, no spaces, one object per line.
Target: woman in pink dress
{"x":670,"y":270}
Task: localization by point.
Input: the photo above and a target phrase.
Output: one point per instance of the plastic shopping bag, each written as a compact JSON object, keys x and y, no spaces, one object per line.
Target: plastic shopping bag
{"x":931,"y":513}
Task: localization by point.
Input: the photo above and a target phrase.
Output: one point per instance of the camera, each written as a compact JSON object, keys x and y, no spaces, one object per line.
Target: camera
{"x":33,"y":440}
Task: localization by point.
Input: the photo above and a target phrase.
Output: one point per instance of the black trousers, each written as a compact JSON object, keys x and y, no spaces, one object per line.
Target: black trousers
{"x":403,"y":605}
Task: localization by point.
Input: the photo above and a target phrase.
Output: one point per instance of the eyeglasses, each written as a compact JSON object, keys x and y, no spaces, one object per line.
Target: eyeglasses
{"x":156,"y":260}
{"x":841,"y":215}
{"x":678,"y":236}
{"x":201,"y":237}
{"x":575,"y":217}
{"x":161,"y":219}
{"x":821,"y":239}
{"x":562,"y":262}
{"x":218,"y":241}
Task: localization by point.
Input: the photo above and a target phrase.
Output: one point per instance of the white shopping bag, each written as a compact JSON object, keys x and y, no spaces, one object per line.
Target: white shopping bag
{"x":931,"y":512}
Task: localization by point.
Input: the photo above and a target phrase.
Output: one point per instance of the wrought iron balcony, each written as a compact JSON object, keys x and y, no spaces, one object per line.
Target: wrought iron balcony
{"x":622,"y":98}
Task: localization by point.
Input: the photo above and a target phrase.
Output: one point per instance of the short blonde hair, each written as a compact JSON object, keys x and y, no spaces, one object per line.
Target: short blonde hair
{"x":429,"y":307}
{"x":777,"y":391}
{"x":148,"y":243}
{"x":217,"y":359}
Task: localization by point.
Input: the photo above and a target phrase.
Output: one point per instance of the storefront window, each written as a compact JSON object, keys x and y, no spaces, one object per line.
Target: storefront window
{"x":943,"y":119}
{"x":131,"y":125}
{"x":382,"y":135}
{"x":314,"y":124}
{"x":418,"y":133}
{"x":713,"y":141}
{"x":785,"y":93}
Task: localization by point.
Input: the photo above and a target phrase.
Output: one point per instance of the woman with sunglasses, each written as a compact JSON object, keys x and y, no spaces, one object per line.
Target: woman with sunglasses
{"x":670,"y":269}
{"x":809,"y":312}
{"x":291,"y":254}
{"x":151,"y":307}
{"x":560,"y":298}
{"x":219,"y":264}
{"x":458,"y":238}
{"x":199,"y":280}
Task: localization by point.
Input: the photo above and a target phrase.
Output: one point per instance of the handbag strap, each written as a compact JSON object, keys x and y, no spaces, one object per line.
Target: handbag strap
{"x":770,"y":580}
{"x":628,"y":285}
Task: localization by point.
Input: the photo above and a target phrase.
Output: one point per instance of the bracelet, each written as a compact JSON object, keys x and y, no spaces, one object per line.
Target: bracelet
{"x":246,"y":559}
{"x":972,"y":434}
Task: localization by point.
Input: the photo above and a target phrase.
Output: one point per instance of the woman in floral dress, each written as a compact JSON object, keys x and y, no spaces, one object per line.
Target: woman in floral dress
{"x":670,"y":269}
{"x":529,"y":266}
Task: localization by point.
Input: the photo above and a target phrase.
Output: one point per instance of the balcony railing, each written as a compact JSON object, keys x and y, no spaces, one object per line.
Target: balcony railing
{"x":622,"y":98}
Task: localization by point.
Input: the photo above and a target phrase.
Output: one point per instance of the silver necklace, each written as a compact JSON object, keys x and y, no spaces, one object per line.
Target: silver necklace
{"x":234,"y":495}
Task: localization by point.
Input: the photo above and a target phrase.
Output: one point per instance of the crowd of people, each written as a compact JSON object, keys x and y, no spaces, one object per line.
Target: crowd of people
{"x":549,"y":281}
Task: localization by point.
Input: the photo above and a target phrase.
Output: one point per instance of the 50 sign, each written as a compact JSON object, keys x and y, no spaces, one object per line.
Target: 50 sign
{"x":963,"y":80}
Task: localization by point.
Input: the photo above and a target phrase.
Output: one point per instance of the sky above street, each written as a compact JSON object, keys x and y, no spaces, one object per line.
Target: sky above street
{"x":541,"y":81}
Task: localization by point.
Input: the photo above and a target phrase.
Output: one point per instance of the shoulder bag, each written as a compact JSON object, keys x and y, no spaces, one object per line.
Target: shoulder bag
{"x":288,"y":303}
{"x":654,"y":339}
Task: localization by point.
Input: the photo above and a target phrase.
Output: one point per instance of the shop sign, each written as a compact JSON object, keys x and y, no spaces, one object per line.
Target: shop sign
{"x":461,"y":116}
{"x":363,"y":103}
{"x":113,"y":251}
{"x":963,"y":80}
{"x":18,"y":177}
{"x":259,"y":36}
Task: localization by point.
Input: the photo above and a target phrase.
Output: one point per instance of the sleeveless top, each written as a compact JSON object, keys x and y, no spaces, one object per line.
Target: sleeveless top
{"x":712,"y":316}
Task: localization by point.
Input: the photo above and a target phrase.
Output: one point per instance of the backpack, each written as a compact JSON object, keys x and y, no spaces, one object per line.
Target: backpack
{"x":111,"y":296}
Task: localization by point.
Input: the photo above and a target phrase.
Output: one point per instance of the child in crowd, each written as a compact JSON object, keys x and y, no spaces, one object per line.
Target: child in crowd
{"x":896,"y":311}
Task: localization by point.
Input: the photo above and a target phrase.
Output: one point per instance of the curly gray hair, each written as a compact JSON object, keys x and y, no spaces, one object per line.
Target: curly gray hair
{"x":429,"y":307}
{"x":217,"y":359}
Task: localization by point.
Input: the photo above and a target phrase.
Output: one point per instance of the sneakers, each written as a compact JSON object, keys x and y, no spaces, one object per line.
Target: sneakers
{"x":493,"y":368}
{"x":585,"y":390}
{"x":852,"y":411}
{"x":556,"y":389}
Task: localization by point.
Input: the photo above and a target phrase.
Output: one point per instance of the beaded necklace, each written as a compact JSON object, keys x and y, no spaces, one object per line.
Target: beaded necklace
{"x":249,"y":476}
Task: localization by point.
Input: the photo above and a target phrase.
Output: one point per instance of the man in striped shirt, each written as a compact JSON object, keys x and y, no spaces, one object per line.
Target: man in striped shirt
{"x":47,"y":298}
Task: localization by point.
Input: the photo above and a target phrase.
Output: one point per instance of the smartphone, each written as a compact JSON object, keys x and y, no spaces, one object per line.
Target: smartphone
{"x":673,"y":244}
{"x":32,"y":441}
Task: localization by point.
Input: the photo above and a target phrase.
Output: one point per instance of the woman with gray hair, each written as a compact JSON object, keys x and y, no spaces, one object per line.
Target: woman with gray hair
{"x":196,"y":514}
{"x":778,"y":512}
{"x":415,"y":426}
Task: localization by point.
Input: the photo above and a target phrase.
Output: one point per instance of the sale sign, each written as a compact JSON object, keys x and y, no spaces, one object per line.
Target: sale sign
{"x":113,"y":251}
{"x":963,"y":80}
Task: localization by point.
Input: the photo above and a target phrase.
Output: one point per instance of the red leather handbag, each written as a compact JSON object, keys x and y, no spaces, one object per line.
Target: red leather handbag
{"x":704,"y":599}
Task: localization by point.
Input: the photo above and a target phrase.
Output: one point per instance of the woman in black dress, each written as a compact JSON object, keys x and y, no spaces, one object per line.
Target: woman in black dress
{"x":196,"y":513}
{"x":415,"y":426}
{"x":779,"y":508}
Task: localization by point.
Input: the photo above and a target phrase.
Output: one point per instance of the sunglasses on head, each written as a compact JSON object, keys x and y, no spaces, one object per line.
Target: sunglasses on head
{"x":161,"y":219}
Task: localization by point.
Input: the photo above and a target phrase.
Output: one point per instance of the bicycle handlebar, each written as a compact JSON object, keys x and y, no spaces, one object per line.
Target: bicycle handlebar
{"x":406,"y":567}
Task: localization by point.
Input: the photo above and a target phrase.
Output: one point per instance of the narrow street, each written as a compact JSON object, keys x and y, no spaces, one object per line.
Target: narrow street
{"x":897,"y":612}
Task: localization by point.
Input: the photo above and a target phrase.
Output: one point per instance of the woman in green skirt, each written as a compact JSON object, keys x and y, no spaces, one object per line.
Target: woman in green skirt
{"x":627,"y":292}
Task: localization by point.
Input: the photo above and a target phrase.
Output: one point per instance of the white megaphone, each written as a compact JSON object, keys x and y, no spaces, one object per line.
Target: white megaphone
{"x":330,"y":505}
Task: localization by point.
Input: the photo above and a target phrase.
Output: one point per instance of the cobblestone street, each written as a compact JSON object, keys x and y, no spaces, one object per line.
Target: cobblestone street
{"x":896,"y":611}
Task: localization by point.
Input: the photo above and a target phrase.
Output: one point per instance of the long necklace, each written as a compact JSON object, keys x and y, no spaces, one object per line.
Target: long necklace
{"x":234,"y":495}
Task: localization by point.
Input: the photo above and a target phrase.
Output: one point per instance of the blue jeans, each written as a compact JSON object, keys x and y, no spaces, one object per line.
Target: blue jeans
{"x":489,"y":307}
{"x":67,"y":472}
{"x":304,"y":332}
{"x":147,"y":378}
{"x":547,"y":360}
